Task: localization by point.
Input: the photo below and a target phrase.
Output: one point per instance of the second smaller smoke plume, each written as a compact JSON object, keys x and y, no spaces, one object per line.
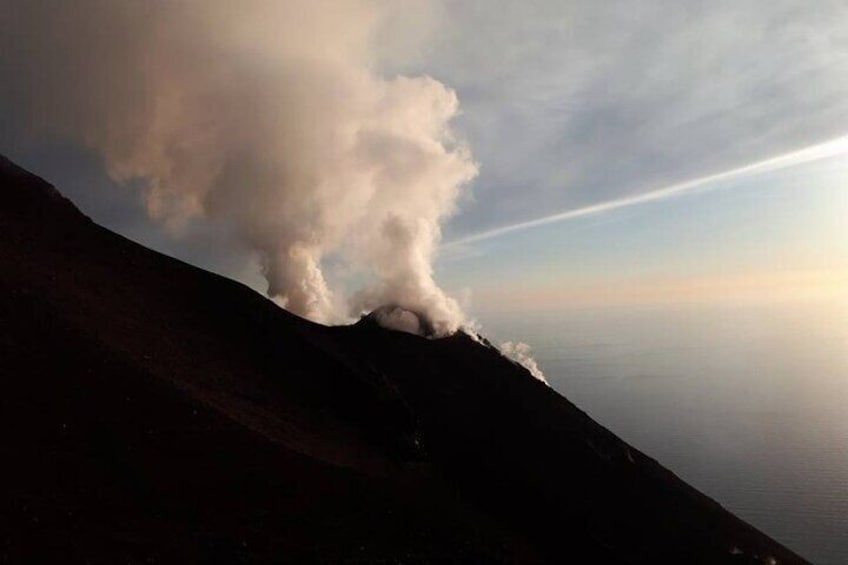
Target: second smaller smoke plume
{"x":520,"y":353}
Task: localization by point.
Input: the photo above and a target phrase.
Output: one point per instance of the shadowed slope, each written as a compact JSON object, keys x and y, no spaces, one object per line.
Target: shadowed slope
{"x":151,"y":411}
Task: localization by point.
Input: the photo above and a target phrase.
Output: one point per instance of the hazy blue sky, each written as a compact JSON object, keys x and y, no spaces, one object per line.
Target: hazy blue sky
{"x":567,"y":105}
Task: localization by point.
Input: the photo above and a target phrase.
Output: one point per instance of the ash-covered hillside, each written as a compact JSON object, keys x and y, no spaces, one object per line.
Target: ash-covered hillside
{"x":152,"y":412}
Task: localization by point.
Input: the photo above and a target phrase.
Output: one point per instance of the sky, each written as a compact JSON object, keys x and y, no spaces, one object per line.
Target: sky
{"x":627,"y":152}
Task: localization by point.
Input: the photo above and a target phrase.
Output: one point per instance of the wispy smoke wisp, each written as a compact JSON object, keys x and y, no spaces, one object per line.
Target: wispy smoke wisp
{"x":267,"y":117}
{"x":520,"y":353}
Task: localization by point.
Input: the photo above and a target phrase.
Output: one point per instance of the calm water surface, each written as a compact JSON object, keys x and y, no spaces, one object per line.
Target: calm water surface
{"x":747,"y":403}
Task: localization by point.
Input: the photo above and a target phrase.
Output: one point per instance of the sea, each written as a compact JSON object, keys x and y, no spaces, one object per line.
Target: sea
{"x":748,"y":402}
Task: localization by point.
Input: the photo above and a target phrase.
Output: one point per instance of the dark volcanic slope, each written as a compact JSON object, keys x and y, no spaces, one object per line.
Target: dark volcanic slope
{"x":153,"y":412}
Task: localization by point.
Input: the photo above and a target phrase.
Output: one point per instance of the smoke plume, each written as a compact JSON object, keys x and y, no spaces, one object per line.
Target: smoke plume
{"x":271,"y":118}
{"x":520,"y":353}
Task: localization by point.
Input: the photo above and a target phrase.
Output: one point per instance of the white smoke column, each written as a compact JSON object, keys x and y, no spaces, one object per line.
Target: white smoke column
{"x":268,"y":117}
{"x":520,"y":353}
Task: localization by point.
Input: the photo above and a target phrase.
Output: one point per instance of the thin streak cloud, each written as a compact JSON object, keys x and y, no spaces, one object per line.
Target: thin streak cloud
{"x":832,"y":148}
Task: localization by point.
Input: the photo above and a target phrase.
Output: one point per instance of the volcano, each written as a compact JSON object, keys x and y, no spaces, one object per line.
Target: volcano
{"x":153,"y":412}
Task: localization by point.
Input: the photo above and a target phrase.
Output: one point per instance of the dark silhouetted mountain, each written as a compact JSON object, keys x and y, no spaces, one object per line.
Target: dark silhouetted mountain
{"x":152,"y":412}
